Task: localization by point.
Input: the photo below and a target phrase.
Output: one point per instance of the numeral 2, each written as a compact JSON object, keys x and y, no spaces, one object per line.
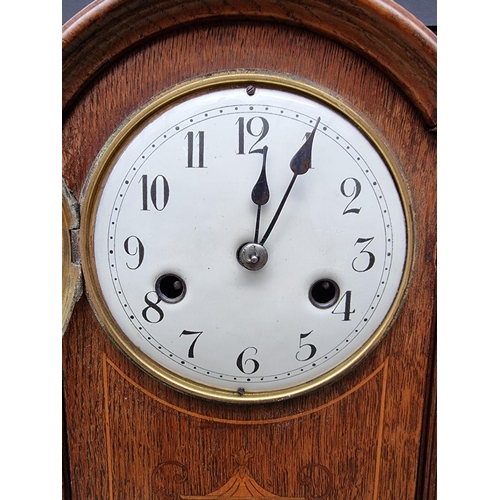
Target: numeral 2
{"x":354,"y":194}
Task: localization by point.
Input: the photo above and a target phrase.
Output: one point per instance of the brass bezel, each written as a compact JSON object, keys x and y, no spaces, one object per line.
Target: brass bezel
{"x":97,"y":178}
{"x":71,"y":272}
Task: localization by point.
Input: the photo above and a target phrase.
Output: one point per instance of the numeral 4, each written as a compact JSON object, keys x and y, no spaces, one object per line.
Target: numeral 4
{"x":344,"y":306}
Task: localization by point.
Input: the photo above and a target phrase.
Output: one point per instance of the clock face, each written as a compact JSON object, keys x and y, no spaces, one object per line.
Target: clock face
{"x":246,"y":238}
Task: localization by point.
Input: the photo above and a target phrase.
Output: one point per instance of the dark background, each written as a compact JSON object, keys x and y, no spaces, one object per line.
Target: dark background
{"x":425,"y":10}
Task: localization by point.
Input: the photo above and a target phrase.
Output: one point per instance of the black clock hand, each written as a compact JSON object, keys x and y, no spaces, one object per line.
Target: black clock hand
{"x":300,"y":164}
{"x":260,"y":192}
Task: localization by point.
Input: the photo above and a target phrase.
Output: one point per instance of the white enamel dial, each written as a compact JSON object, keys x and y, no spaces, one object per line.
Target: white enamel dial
{"x":178,"y":240}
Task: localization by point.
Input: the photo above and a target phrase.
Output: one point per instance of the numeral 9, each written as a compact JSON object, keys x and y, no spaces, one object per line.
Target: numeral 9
{"x":139,"y":250}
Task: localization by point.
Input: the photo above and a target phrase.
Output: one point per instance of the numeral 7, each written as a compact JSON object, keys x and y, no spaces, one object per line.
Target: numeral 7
{"x":191,"y":347}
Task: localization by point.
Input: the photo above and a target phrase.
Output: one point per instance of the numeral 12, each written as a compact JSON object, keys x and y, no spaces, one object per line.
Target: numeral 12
{"x":260,"y":133}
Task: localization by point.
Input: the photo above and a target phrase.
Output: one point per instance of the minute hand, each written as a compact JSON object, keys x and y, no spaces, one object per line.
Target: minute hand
{"x":299,"y":164}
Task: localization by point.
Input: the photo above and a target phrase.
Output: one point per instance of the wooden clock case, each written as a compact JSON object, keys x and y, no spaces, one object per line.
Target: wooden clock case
{"x":370,"y":435}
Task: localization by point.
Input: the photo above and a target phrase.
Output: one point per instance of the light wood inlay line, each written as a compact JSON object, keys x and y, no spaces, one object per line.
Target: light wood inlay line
{"x":380,"y":429}
{"x":107,"y":424}
{"x":383,"y":366}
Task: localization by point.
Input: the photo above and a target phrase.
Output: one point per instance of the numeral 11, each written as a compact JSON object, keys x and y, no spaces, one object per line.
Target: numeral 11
{"x":201,"y":149}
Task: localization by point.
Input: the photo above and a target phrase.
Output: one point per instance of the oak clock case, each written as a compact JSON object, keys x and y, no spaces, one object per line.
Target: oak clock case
{"x":260,"y":197}
{"x":247,"y":237}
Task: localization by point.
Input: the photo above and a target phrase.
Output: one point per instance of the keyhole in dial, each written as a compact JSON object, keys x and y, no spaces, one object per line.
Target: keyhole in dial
{"x":170,"y":288}
{"x":324,"y":293}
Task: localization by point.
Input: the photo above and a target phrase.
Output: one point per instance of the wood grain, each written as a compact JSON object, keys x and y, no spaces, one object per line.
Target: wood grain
{"x":380,"y":30}
{"x":366,"y":436}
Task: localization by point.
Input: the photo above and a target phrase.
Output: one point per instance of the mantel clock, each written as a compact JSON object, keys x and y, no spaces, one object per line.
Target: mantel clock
{"x":248,"y":250}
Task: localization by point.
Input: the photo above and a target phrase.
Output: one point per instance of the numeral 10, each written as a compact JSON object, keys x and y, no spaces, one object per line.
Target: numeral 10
{"x":158,"y":193}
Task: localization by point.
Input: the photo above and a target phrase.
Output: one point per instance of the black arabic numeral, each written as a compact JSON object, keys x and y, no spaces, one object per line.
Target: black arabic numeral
{"x":158,"y":192}
{"x":346,"y":311}
{"x":152,"y":306}
{"x":371,"y":257}
{"x":137,"y":249}
{"x":354,"y":194}
{"x":312,"y":348}
{"x":193,"y":343}
{"x":253,"y":131}
{"x":254,"y":364}
{"x":201,"y":149}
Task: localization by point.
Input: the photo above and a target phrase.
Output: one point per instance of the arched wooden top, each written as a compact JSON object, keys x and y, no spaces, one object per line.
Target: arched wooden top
{"x":379,"y":30}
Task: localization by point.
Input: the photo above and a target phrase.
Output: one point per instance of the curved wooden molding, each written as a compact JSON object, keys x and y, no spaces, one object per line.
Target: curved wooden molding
{"x":379,"y":30}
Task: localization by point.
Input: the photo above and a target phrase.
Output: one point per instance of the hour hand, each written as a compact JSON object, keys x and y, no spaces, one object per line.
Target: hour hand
{"x":260,"y":192}
{"x":253,"y":256}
